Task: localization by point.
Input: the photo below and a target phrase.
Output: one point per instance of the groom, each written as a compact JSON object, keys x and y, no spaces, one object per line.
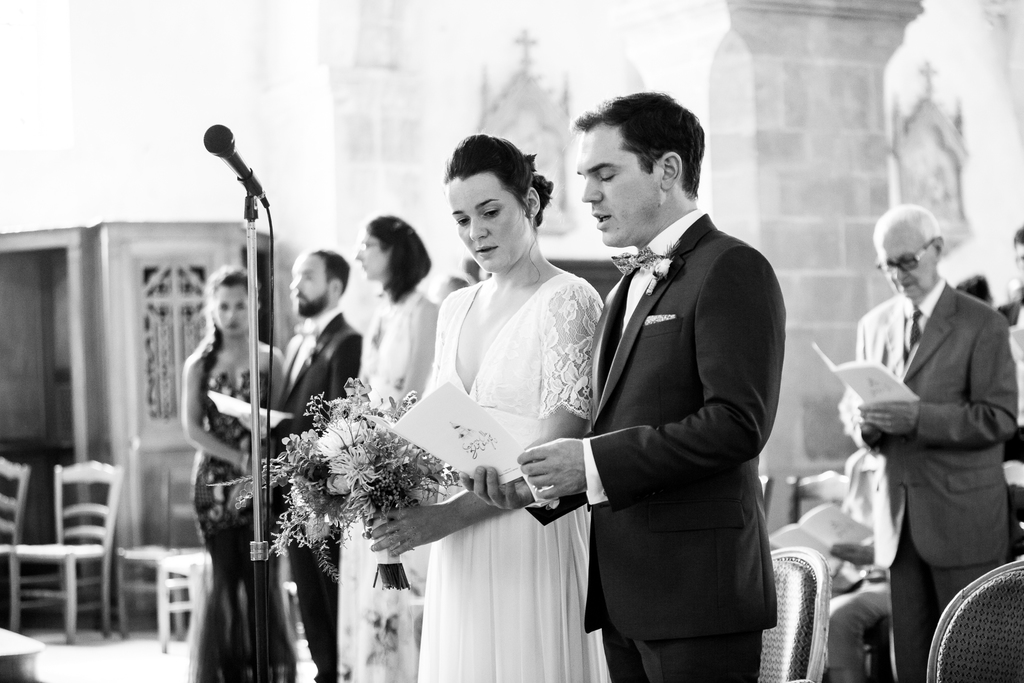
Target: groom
{"x":687,"y":365}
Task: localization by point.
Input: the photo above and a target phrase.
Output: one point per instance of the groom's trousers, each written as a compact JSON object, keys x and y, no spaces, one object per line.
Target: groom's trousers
{"x":728,"y":658}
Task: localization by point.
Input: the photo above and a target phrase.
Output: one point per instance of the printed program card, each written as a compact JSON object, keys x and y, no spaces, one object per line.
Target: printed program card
{"x":450,"y":425}
{"x":873,"y":382}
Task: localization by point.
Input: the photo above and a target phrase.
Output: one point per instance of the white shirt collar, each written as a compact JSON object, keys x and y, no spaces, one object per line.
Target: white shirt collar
{"x":927,"y":306}
{"x":321,"y":320}
{"x":665,"y":239}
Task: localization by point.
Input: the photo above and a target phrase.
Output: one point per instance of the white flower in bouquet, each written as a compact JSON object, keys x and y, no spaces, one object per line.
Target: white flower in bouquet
{"x":339,"y":485}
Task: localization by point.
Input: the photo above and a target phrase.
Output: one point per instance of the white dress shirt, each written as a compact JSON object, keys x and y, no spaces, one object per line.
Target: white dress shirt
{"x":927,"y":307}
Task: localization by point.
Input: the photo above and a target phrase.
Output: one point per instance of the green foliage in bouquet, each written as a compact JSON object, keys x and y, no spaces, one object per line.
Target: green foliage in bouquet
{"x":350,"y":468}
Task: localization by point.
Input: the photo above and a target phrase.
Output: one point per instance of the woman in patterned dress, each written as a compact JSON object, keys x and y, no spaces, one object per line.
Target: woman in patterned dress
{"x":378,"y":630}
{"x":223,"y":646}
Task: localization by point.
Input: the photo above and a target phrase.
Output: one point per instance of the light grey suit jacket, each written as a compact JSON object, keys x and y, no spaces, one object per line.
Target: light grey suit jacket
{"x":947,"y":475}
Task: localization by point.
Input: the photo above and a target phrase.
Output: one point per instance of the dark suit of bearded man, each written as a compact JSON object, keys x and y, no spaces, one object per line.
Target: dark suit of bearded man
{"x":941,"y":517}
{"x":332,"y":362}
{"x":319,"y":361}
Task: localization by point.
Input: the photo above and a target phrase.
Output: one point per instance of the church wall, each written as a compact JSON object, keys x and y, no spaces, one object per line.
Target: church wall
{"x":147,"y":80}
{"x":971,"y":46}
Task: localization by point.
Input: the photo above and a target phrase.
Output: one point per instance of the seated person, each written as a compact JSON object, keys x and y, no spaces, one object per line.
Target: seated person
{"x":855,"y":607}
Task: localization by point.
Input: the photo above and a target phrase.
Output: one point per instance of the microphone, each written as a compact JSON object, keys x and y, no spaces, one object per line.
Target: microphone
{"x":221,"y":143}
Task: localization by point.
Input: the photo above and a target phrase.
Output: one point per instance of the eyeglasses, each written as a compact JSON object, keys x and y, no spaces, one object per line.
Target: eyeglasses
{"x":907,"y":262}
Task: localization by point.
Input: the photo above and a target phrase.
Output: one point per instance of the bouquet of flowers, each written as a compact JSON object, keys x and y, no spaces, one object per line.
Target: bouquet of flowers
{"x":352,"y":468}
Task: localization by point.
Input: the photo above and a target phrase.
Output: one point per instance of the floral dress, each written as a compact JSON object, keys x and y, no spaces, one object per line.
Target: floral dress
{"x":215,"y":510}
{"x":379,"y":630}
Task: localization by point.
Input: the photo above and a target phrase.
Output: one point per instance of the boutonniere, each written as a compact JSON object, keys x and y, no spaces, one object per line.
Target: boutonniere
{"x":658,"y":272}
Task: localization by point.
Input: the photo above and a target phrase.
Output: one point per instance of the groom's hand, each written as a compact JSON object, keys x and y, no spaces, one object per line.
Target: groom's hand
{"x":556,"y":468}
{"x":511,"y":496}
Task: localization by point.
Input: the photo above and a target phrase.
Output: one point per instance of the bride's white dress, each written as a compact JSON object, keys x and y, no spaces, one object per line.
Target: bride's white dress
{"x":505,"y":597}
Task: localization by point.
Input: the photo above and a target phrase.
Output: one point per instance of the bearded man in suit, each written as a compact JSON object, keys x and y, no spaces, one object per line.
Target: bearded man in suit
{"x":940,"y":508}
{"x":320,"y":359}
{"x":687,"y":369}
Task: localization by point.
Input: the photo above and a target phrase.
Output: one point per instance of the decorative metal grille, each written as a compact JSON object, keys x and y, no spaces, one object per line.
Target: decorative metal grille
{"x":172,"y":326}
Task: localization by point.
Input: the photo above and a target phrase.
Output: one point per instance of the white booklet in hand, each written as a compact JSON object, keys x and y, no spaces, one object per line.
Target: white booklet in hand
{"x":241,"y":410}
{"x":872,"y":381}
{"x":1017,"y":335}
{"x":450,"y":425}
{"x":820,"y":529}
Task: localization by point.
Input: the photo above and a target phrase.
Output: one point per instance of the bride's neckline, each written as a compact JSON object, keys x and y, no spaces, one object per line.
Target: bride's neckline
{"x":500,"y":335}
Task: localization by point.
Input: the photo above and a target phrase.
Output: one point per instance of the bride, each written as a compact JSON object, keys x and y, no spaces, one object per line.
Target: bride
{"x":505,"y":595}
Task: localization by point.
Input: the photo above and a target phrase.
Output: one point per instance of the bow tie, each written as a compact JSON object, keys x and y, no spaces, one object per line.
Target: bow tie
{"x":628,"y":263}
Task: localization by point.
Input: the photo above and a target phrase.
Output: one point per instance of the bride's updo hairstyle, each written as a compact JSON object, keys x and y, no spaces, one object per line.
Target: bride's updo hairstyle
{"x":514,"y":170}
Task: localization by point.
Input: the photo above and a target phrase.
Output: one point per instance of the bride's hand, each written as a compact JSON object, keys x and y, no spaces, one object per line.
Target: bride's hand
{"x":412,"y":527}
{"x":511,"y":496}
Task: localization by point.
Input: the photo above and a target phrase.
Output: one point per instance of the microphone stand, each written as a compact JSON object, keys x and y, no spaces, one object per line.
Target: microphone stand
{"x":258,"y":548}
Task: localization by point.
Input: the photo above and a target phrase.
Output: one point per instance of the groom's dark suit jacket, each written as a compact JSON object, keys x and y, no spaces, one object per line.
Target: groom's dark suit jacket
{"x":683,"y":404}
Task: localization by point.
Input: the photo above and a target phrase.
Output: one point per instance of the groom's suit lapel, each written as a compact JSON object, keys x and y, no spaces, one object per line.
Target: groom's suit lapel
{"x":605,"y":347}
{"x":632,"y":328}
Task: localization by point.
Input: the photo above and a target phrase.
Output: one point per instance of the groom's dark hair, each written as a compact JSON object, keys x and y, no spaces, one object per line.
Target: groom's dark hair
{"x":651,"y":124}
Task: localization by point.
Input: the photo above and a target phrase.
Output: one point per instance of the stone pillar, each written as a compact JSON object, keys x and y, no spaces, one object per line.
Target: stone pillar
{"x":816,"y":150}
{"x":797,"y":165}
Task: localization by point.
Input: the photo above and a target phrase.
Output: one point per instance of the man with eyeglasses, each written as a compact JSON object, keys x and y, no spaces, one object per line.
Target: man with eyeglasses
{"x":940,"y":508}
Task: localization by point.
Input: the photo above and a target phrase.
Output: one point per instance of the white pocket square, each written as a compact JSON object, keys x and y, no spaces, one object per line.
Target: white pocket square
{"x":653,"y":319}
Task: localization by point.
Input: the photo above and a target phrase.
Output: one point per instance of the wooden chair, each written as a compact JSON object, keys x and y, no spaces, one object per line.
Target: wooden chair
{"x":980,"y":635}
{"x":181,"y":588}
{"x":86,"y":500}
{"x":809,"y":492}
{"x":137,"y":567}
{"x":794,"y":650}
{"x":13,"y":494}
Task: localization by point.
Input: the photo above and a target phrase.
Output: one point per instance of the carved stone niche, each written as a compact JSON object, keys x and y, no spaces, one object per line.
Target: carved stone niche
{"x":529,"y":116}
{"x":930,"y":155}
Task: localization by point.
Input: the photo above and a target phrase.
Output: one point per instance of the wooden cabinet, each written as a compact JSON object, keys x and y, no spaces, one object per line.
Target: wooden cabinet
{"x":95,"y":323}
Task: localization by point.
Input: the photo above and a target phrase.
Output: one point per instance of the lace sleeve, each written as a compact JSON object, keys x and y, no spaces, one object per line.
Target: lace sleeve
{"x":569,"y":323}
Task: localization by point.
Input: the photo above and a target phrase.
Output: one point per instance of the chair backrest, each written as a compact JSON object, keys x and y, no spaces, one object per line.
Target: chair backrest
{"x":89,"y":516}
{"x":13,"y":494}
{"x":980,"y":636}
{"x":795,"y":647}
{"x":810,"y":492}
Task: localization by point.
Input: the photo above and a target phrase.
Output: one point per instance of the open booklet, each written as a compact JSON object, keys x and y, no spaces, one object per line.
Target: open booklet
{"x":872,"y":381}
{"x":820,"y":529}
{"x":1017,"y":335}
{"x":450,"y":425}
{"x":241,"y":410}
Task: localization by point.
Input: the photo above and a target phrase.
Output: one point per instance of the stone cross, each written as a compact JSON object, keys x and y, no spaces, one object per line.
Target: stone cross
{"x":929,"y":74}
{"x":527,"y":42}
